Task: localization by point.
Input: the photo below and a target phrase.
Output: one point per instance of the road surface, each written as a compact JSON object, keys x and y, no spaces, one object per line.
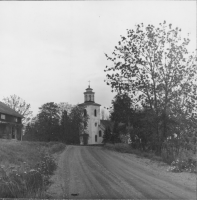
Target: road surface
{"x":92,"y":172}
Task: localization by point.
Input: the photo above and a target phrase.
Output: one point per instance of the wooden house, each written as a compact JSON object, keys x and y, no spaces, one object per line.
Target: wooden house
{"x":10,"y":123}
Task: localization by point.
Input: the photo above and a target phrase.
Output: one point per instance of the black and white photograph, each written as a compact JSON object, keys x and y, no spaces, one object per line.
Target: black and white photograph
{"x":98,"y":99}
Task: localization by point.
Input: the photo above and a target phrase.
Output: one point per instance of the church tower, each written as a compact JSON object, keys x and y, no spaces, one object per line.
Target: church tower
{"x":92,"y":109}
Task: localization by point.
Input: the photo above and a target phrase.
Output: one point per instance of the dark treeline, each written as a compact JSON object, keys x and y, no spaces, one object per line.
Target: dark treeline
{"x":140,"y":125}
{"x":57,"y":122}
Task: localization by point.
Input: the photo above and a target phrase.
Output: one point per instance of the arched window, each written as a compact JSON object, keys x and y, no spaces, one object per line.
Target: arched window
{"x":95,"y":112}
{"x":89,"y":97}
{"x":95,"y":124}
{"x":84,"y":112}
{"x":95,"y":138}
{"x":100,"y":133}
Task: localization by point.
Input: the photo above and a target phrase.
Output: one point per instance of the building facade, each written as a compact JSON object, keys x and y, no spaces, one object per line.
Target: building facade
{"x":10,"y":123}
{"x":91,"y":109}
{"x":95,"y":127}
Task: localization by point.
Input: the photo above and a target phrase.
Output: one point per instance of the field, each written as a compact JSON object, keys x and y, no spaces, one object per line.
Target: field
{"x":26,"y":167}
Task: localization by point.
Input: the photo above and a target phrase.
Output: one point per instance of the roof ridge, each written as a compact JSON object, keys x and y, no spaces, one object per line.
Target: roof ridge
{"x":5,"y":109}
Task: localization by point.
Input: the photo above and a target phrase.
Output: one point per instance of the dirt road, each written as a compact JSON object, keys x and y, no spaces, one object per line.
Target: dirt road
{"x":89,"y":172}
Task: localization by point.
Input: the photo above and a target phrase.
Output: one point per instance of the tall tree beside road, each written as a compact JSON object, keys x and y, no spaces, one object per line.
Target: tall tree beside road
{"x":122,"y":109}
{"x":78,"y":123}
{"x":20,"y":106}
{"x":47,"y":123}
{"x":64,"y":106}
{"x":65,"y":127}
{"x":153,"y":66}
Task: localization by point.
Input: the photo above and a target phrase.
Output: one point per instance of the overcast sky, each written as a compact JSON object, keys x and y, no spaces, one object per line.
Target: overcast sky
{"x":50,"y":50}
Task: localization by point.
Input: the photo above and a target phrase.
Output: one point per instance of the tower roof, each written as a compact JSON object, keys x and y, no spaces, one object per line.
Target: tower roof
{"x":89,"y":97}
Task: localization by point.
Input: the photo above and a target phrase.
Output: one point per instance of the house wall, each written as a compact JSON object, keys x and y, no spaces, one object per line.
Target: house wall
{"x":2,"y":130}
{"x":5,"y":131}
{"x":10,"y":118}
{"x":9,"y":128}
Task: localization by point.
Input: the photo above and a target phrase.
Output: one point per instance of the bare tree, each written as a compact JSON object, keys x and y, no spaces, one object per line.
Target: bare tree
{"x":20,"y":106}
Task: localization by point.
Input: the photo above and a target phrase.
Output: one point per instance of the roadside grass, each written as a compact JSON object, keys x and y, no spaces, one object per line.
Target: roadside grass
{"x":26,"y":168}
{"x":126,"y":148}
{"x":185,"y":161}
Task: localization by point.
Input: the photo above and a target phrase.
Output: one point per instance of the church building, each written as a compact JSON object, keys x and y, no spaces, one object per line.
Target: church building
{"x":96,"y":127}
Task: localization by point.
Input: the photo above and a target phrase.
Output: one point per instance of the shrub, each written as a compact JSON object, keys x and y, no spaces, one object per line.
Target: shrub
{"x":57,"y":147}
{"x":183,"y":165}
{"x":24,"y":181}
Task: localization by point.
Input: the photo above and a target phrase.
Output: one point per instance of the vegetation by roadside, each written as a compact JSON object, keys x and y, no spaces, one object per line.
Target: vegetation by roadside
{"x":26,"y":168}
{"x":185,"y":161}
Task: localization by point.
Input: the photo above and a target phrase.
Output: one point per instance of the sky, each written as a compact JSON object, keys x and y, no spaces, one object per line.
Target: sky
{"x":49,"y":50}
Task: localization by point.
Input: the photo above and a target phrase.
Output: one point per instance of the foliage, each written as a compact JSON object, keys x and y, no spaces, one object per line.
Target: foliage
{"x":186,"y":163}
{"x":183,"y":165}
{"x":47,"y":124}
{"x":64,"y":106}
{"x":26,"y":168}
{"x":55,"y":122}
{"x":78,"y":123}
{"x":23,"y":181}
{"x":56,"y":147}
{"x":107,"y":136}
{"x":122,"y":109}
{"x":154,"y":68}
{"x":20,"y":106}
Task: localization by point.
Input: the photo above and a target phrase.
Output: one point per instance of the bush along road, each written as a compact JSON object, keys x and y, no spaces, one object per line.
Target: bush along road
{"x":92,"y":172}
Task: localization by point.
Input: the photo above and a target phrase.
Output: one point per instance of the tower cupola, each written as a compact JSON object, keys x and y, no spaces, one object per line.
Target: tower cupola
{"x":89,"y":95}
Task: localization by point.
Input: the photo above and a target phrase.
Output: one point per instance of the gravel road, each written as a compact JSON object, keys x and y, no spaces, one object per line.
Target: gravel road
{"x":92,"y":172}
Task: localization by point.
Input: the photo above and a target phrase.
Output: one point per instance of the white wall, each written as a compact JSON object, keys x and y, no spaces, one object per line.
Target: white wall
{"x":92,"y":129}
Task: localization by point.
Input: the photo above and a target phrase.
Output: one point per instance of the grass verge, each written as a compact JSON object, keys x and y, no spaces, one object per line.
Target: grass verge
{"x":26,"y":168}
{"x":181,"y":163}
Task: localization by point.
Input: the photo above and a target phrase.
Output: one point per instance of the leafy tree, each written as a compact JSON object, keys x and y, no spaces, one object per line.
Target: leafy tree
{"x":65,"y":127}
{"x":153,"y":65}
{"x":20,"y":106}
{"x":107,"y":136}
{"x":78,"y":123}
{"x":55,"y":123}
{"x":48,"y":122}
{"x":122,"y":109}
{"x":64,"y":106}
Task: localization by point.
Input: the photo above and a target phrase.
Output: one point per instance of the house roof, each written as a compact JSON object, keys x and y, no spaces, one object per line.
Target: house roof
{"x":89,"y":103}
{"x":7,"y":110}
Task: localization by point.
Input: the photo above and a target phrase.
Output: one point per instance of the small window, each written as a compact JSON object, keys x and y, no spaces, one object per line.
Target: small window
{"x":100,"y":133}
{"x":95,"y":138}
{"x":2,"y":116}
{"x":90,"y":97}
{"x":95,"y":124}
{"x":16,"y":120}
{"x":95,"y":112}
